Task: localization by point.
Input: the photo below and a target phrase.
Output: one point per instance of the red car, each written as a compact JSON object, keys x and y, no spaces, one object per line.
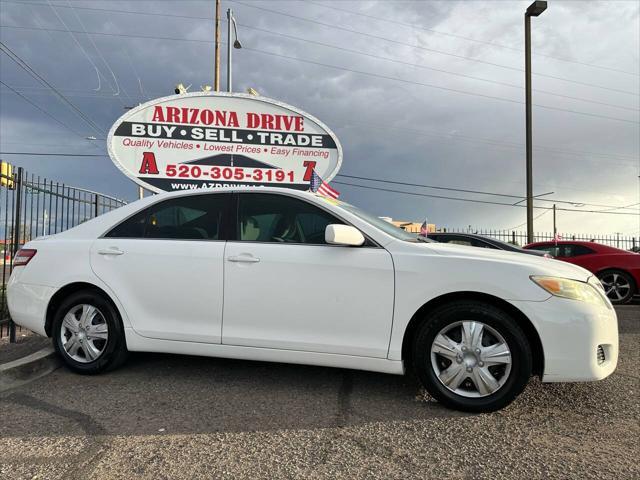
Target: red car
{"x":618,"y":270}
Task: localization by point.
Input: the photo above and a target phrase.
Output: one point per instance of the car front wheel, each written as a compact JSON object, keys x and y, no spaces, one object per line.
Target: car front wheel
{"x":88,"y":334}
{"x":472,"y":356}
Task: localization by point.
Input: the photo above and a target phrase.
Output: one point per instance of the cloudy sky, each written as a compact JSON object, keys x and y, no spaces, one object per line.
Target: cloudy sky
{"x":428,"y":93}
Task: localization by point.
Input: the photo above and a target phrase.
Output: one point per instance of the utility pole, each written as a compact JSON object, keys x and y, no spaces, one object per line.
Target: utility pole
{"x":535,"y":9}
{"x":216,"y":74}
{"x":555,"y":230}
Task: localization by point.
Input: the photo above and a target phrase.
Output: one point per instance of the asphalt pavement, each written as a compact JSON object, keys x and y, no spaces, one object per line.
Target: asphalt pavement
{"x":165,"y":416}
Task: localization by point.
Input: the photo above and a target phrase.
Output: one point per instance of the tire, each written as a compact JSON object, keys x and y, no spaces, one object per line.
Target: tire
{"x":618,"y":285}
{"x":510,"y":372}
{"x":80,"y":342}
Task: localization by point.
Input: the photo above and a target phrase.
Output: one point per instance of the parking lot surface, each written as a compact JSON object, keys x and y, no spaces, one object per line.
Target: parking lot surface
{"x":164,"y":416}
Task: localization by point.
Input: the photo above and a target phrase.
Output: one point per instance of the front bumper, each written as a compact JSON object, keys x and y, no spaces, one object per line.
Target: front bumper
{"x":574,"y":337}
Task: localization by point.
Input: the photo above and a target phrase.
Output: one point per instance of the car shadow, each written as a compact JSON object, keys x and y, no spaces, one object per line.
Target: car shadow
{"x":188,"y":394}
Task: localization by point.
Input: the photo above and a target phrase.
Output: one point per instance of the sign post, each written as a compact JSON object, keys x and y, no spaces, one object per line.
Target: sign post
{"x":215,"y":140}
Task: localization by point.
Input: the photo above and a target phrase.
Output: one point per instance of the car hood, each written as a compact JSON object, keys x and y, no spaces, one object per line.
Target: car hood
{"x":537,"y":265}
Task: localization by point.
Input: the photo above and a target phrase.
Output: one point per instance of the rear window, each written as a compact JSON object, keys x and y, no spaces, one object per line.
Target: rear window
{"x":193,"y":217}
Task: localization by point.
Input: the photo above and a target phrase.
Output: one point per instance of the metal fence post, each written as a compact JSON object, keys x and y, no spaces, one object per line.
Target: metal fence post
{"x":16,"y":238}
{"x":95,"y":205}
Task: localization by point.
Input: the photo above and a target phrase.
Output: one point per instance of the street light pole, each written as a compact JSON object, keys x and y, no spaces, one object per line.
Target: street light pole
{"x":231,"y":45}
{"x":229,"y":49}
{"x":535,"y":9}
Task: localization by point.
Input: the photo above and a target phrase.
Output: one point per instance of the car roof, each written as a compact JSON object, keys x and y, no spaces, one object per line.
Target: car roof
{"x":223,"y":189}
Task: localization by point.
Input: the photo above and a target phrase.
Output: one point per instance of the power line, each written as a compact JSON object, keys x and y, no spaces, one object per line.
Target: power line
{"x":461,"y":37}
{"x":426,"y":67}
{"x":479,"y":192}
{"x":422,"y":84}
{"x":54,"y":154}
{"x":75,"y":39}
{"x":372,"y":55}
{"x":106,"y":64}
{"x":396,"y":79}
{"x":129,"y":12}
{"x":491,"y":142}
{"x":462,"y":57}
{"x":41,"y":109}
{"x":446,"y":135}
{"x":535,"y":218}
{"x":25,"y":66}
{"x":479,"y":201}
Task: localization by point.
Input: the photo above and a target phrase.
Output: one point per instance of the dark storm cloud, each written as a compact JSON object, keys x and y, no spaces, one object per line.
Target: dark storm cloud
{"x":389,"y":129}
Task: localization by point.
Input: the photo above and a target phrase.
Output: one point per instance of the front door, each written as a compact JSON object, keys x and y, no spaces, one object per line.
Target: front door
{"x":286,"y":288}
{"x":165,"y":265}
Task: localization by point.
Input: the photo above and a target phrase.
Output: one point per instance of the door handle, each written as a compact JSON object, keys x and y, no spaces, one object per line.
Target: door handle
{"x":110,"y":251}
{"x":243,"y":259}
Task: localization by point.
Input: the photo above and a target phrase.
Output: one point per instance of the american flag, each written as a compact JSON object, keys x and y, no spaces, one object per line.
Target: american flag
{"x":317,"y":185}
{"x":424,"y":229}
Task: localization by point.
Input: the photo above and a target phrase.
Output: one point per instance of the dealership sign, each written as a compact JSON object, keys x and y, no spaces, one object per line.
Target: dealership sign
{"x":213,"y":140}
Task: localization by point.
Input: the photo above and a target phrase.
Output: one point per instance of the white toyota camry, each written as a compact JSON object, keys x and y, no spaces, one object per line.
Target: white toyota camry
{"x":286,"y":276}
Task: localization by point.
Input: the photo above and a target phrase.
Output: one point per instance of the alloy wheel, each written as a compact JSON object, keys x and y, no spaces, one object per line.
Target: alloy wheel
{"x":471,"y":359}
{"x":616,"y":286}
{"x":84,"y":333}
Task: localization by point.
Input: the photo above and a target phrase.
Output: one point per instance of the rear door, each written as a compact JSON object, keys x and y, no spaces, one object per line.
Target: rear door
{"x":165,"y":265}
{"x":286,"y":288}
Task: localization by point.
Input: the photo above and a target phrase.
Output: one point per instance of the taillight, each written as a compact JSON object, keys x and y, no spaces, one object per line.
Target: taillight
{"x":23,"y":257}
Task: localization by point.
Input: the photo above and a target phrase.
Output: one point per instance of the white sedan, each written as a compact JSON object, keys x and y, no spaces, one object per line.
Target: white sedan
{"x":286,"y":276}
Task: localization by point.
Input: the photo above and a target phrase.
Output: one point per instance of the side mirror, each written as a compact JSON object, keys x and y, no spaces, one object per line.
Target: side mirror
{"x":343,"y":235}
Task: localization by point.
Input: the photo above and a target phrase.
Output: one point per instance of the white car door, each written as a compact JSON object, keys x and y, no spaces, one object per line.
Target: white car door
{"x":165,"y":265}
{"x":286,"y":288}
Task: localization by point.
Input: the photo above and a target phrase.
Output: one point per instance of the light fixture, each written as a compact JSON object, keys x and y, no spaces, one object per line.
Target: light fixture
{"x":181,"y":89}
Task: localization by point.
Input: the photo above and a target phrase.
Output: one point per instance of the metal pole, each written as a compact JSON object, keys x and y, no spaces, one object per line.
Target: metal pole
{"x":229,"y":48}
{"x":555,"y":231}
{"x":16,"y":238}
{"x":216,"y":73}
{"x":529,"y":167}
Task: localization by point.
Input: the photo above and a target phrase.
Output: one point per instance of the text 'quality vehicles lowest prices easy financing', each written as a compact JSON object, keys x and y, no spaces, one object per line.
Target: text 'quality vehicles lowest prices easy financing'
{"x":287,"y":276}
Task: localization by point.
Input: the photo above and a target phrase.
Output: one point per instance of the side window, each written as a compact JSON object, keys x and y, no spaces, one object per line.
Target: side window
{"x":193,"y":217}
{"x":575,"y":250}
{"x":281,"y":219}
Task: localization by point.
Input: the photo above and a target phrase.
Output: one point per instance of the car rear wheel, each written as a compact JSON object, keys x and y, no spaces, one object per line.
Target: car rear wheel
{"x":618,"y":286}
{"x":88,"y":334}
{"x":472,"y":356}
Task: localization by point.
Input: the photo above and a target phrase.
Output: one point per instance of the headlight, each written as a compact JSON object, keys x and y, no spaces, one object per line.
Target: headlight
{"x":573,"y":289}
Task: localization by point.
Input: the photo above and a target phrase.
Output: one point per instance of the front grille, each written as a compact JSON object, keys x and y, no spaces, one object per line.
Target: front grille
{"x":601,"y":357}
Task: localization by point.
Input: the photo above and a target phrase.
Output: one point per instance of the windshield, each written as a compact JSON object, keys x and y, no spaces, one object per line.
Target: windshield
{"x":381,"y":224}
